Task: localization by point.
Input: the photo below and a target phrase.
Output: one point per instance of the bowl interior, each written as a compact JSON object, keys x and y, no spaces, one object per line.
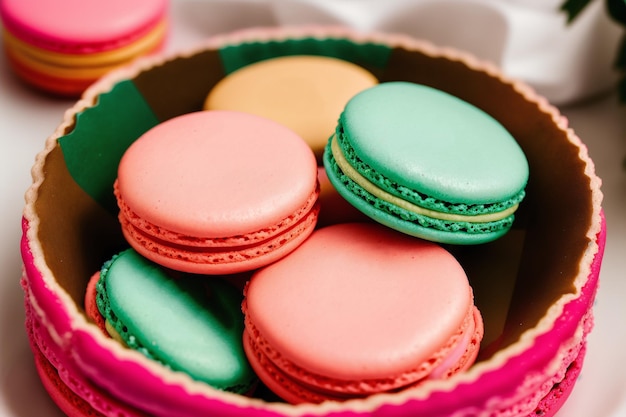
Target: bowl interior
{"x":515,"y":279}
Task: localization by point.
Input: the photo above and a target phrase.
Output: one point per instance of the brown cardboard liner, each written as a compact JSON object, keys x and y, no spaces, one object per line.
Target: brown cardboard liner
{"x":516,"y":279}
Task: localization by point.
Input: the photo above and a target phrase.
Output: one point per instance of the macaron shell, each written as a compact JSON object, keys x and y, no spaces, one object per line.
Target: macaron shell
{"x":434,"y":143}
{"x":279,"y":382}
{"x":45,"y":82}
{"x":464,"y":354}
{"x":381,"y":329}
{"x":305,"y":93}
{"x":80,"y":26}
{"x":190,"y":324}
{"x":217,"y":174}
{"x":61,"y":80}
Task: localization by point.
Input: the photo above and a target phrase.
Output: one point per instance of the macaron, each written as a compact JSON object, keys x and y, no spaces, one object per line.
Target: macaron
{"x":64,"y":46}
{"x":189,"y":324}
{"x":304,"y":92}
{"x":427,"y":163}
{"x":356,"y":310}
{"x":217,"y":192}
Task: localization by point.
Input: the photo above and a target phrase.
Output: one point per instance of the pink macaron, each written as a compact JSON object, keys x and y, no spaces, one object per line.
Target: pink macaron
{"x":64,"y":46}
{"x":212,"y":192}
{"x":534,"y":287}
{"x":356,"y":310}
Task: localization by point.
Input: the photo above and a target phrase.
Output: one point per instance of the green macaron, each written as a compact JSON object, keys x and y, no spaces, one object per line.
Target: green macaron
{"x":189,"y":323}
{"x":427,"y":163}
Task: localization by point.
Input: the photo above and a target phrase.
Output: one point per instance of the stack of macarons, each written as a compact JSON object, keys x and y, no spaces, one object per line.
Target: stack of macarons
{"x":64,"y":46}
{"x":224,"y":283}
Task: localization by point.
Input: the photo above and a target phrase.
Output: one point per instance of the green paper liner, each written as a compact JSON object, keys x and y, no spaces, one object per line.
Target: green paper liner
{"x":102,"y":134}
{"x":169,"y":93}
{"x":371,"y":56}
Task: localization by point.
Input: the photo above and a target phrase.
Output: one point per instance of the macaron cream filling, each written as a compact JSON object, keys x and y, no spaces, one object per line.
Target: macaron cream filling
{"x":83,"y":65}
{"x":367,"y":185}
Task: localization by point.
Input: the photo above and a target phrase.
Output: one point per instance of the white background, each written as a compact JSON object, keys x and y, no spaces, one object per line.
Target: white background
{"x":28,"y":117}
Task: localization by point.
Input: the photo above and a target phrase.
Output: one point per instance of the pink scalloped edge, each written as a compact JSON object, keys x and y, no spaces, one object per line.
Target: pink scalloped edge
{"x":41,"y":340}
{"x":68,"y":328}
{"x":78,"y":370}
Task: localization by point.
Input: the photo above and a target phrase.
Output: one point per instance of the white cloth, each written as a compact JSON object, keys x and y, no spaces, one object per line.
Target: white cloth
{"x":528,"y":39}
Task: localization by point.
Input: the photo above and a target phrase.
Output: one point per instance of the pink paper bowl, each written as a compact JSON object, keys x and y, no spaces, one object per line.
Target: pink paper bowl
{"x":535,"y":286}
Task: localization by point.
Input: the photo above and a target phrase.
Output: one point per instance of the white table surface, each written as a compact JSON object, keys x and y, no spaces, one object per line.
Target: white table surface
{"x":27,"y":118}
